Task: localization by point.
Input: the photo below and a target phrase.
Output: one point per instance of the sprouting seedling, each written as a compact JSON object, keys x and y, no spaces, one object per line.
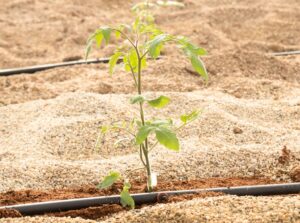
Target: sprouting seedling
{"x":139,"y":41}
{"x":110,"y":179}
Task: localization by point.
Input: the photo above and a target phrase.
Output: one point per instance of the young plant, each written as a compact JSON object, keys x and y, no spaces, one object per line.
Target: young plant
{"x":140,"y":41}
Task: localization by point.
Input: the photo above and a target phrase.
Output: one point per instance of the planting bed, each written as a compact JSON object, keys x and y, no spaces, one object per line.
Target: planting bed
{"x":248,"y":133}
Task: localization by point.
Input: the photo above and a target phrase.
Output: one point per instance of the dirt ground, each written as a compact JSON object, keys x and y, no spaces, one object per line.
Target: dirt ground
{"x":238,"y":35}
{"x":250,"y":125}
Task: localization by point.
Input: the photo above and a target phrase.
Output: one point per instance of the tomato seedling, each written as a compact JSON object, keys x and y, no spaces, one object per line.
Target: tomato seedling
{"x":140,"y":41}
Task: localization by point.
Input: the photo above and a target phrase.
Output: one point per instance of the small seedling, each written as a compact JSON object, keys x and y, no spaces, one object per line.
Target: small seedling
{"x":138,"y":42}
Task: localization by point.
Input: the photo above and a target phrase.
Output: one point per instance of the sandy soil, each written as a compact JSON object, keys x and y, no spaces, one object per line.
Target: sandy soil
{"x":237,"y":34}
{"x":49,"y":120}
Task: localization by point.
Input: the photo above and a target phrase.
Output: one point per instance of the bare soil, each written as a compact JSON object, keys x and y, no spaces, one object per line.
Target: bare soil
{"x":237,"y":34}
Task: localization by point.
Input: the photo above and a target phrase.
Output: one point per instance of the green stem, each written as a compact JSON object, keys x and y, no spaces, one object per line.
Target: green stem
{"x":125,"y":36}
{"x":141,"y":155}
{"x":148,"y":166}
{"x":133,"y":74}
{"x":145,"y":144}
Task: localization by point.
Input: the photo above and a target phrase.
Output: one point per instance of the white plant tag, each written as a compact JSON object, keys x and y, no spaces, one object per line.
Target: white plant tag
{"x":153,"y":179}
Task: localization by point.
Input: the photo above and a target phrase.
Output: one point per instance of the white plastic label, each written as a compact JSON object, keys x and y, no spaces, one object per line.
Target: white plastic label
{"x":153,"y":179}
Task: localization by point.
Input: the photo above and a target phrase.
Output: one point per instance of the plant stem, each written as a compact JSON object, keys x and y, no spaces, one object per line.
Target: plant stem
{"x":145,"y":144}
{"x":133,"y":74}
{"x":141,"y":156}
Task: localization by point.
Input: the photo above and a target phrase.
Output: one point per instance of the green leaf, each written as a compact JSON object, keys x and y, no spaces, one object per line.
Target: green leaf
{"x":190,"y":117}
{"x":162,"y":122}
{"x":156,"y":44}
{"x":106,"y":31}
{"x":150,"y":28}
{"x":113,"y":61}
{"x":159,"y":102}
{"x":167,"y":138}
{"x":126,"y":63}
{"x":98,"y":38}
{"x":155,"y":51}
{"x":109,"y":180}
{"x":192,"y":49}
{"x":126,"y":199}
{"x":136,"y":23}
{"x":199,"y":66}
{"x":137,"y":99}
{"x":193,"y":52}
{"x":189,"y":48}
{"x":131,"y":59}
{"x":201,"y":51}
{"x":143,"y":133}
{"x":118,"y":34}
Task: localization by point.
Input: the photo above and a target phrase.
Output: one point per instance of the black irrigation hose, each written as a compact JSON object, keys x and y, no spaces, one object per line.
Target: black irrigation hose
{"x":286,"y":53}
{"x":33,"y":69}
{"x":146,"y":198}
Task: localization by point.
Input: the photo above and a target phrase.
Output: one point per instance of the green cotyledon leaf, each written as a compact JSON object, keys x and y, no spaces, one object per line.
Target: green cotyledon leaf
{"x":126,"y":199}
{"x":109,"y":180}
{"x":159,"y":102}
{"x":190,"y":117}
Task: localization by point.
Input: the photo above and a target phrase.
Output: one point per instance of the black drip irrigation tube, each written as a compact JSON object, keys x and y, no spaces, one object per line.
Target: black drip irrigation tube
{"x":286,"y":53}
{"x":148,"y":198}
{"x":33,"y":69}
